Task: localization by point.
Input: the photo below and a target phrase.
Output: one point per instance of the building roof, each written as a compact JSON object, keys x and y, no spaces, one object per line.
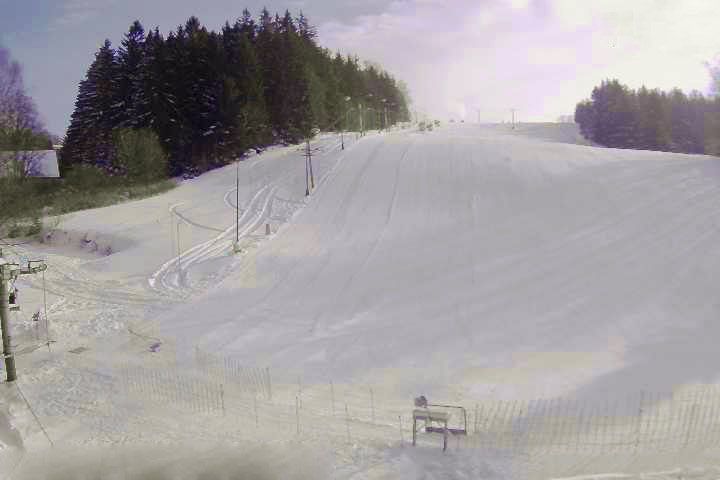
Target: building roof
{"x":40,"y":163}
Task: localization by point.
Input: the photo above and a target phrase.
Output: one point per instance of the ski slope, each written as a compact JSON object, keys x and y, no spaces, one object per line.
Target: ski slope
{"x":485,"y":261}
{"x":467,"y":263}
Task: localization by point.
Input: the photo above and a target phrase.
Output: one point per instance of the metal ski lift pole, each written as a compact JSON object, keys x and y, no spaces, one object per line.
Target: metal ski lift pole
{"x":10,"y":272}
{"x":309,"y":157}
{"x":4,"y":325}
{"x":236,"y":246}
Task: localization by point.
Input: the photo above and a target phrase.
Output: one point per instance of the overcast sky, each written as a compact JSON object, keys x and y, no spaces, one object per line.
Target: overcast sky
{"x":457,"y":56}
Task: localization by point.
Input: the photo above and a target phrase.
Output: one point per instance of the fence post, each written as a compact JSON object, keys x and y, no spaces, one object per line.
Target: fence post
{"x":602,"y":426}
{"x":257,"y":417}
{"x":332,"y":397}
{"x":566,"y":425}
{"x":705,"y":422}
{"x":347,"y":422}
{"x":554,"y":421}
{"x":698,"y":410}
{"x":581,"y":413}
{"x":510,"y":435}
{"x":206,"y":397}
{"x":491,"y":423}
{"x":650,"y":435}
{"x":269,"y":382}
{"x":685,"y":417}
{"x":713,"y":413}
{"x":476,"y":418}
{"x":206,"y":393}
{"x":692,"y":419}
{"x":222,"y":399}
{"x":639,"y":422}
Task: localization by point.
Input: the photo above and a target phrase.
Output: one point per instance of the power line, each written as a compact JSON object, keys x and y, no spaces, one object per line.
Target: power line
{"x":34,"y":415}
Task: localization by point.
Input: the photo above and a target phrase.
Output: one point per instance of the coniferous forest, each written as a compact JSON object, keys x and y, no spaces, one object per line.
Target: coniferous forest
{"x":210,"y":96}
{"x":619,"y":117}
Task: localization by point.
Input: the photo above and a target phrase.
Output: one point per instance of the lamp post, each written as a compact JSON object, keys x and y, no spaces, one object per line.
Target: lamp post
{"x":385,"y":105}
{"x":236,"y":245}
{"x":342,"y":130}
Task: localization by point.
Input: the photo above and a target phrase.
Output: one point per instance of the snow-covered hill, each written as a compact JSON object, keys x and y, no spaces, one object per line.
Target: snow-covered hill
{"x":467,"y":263}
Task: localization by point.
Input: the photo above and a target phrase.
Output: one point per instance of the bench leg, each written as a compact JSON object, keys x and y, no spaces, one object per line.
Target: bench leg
{"x":414,"y":430}
{"x":445,"y":436}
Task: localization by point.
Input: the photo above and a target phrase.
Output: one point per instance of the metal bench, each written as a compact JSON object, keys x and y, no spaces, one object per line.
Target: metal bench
{"x":436,"y":417}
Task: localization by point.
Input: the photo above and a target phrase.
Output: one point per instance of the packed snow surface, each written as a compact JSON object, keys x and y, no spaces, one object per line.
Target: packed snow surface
{"x":466,"y":263}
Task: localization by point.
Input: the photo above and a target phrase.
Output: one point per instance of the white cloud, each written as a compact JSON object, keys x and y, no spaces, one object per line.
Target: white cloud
{"x":77,"y":12}
{"x":519,"y":4}
{"x":540,"y":56}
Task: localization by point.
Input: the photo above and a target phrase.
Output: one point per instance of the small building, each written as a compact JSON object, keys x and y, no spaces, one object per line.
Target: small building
{"x":36,"y":163}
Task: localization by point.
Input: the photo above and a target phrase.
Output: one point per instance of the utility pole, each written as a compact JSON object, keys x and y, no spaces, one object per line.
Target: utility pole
{"x":360,"y":113}
{"x":309,"y":159}
{"x":9,"y":273}
{"x":236,"y":246}
{"x":307,"y":174}
{"x":345,"y":125}
{"x":177,"y":238}
{"x":513,"y":118}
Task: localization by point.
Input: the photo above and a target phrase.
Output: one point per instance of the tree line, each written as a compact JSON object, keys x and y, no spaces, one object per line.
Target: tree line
{"x":210,"y":96}
{"x":617,"y":116}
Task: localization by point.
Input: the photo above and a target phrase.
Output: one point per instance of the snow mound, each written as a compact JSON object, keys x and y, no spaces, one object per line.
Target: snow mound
{"x":86,"y":241}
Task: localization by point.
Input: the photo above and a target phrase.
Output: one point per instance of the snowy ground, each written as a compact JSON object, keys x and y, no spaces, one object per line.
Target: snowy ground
{"x":470,"y":263}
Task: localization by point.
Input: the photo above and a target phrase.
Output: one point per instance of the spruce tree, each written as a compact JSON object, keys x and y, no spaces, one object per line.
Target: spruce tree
{"x":156,"y":105}
{"x":89,"y":137}
{"x":130,"y":57}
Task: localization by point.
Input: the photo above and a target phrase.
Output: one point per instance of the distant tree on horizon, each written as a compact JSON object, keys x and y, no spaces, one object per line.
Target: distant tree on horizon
{"x":616,"y":116}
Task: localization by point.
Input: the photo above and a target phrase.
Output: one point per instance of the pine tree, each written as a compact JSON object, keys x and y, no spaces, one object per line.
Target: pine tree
{"x":248,"y":26}
{"x":156,"y":105}
{"x":129,"y":57}
{"x":680,"y":121}
{"x":243,"y":103}
{"x":89,"y":137}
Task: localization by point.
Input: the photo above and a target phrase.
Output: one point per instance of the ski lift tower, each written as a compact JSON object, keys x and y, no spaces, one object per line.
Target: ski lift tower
{"x":8,"y":274}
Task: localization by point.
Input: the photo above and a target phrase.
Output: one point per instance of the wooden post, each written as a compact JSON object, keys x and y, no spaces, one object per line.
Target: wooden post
{"x":476,"y":419}
{"x":222,"y":399}
{"x":347,"y":424}
{"x":332,"y":397}
{"x":639,"y":422}
{"x":257,"y":417}
{"x":693,"y":412}
{"x":579,"y":411}
{"x":269,"y":382}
